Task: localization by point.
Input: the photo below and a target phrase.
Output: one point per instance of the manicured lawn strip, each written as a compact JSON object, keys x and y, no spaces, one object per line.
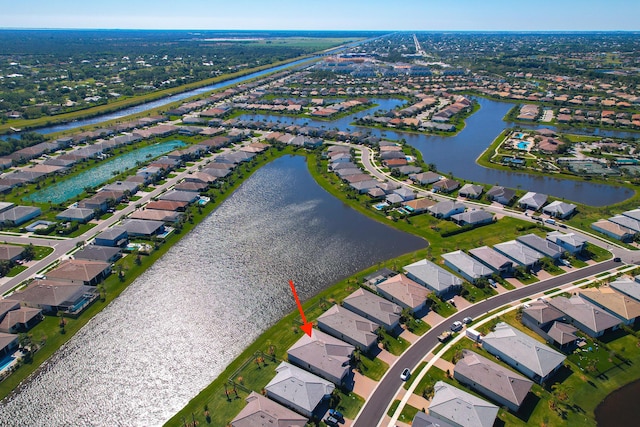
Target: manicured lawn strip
{"x":407,"y":414}
{"x":417,"y":326}
{"x":349,"y":404}
{"x":373,"y":368}
{"x":15,"y":270}
{"x":550,"y":291}
{"x":394,"y":345}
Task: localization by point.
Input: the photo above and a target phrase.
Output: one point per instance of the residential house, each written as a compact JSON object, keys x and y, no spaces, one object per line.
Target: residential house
{"x":559,"y":209}
{"x":502,"y":195}
{"x":298,"y":389}
{"x":425,"y":178}
{"x":541,"y":245}
{"x":99,"y":253}
{"x":446,"y":209}
{"x":445,"y":185}
{"x":521,"y":254}
{"x":422,"y":419}
{"x":141,"y":227}
{"x":263,"y":412}
{"x":614,"y":230}
{"x":52,"y":296}
{"x":570,"y":242}
{"x":87,"y":272}
{"x":180,"y":196}
{"x":81,"y":215}
{"x":499,"y":384}
{"x":114,"y":237}
{"x":493,"y":259}
{"x":626,"y":221}
{"x":533,"y":201}
{"x":406,"y":193}
{"x":378,"y":276}
{"x":8,"y":344}
{"x":473,"y":217}
{"x":418,"y":206}
{"x":459,"y":408}
{"x":585,"y":316}
{"x":523,"y":353}
{"x":167,"y":205}
{"x":433,"y":277}
{"x":404,"y":292}
{"x":15,"y":319}
{"x":19,"y":215}
{"x":471,"y":191}
{"x":374,"y":308}
{"x":466,"y":266}
{"x":628,"y":287}
{"x":11,"y":253}
{"x":350,"y":327}
{"x":547,"y":321}
{"x":616,"y":303}
{"x":168,"y":217}
{"x":323,"y":355}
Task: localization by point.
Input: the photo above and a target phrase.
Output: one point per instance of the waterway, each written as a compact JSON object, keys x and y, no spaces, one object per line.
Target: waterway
{"x":620,"y":408}
{"x":176,"y":327}
{"x":72,"y":187}
{"x":458,"y":154}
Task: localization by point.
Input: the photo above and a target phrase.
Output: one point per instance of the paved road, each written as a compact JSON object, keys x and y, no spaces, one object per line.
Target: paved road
{"x":375,"y":406}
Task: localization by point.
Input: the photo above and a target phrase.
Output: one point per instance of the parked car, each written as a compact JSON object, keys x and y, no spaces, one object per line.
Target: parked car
{"x":467,"y":320}
{"x":331,"y":421}
{"x":456,"y":326}
{"x":406,"y":373}
{"x":550,"y":221}
{"x":452,"y":302}
{"x":617,"y":259}
{"x":565,"y":262}
{"x":493,"y":283}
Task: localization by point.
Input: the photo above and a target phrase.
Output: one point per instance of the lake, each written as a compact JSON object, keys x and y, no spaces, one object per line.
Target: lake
{"x":176,"y":327}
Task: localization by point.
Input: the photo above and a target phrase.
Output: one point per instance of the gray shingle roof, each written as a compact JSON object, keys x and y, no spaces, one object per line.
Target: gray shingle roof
{"x":585,"y":313}
{"x":299,"y":387}
{"x":433,"y":276}
{"x":503,"y":382}
{"x":263,"y":412}
{"x":518,"y":252}
{"x":378,"y":309}
{"x":541,"y":245}
{"x":628,"y":287}
{"x":460,"y":407}
{"x":141,"y":226}
{"x":351,"y":325}
{"x":473,"y":216}
{"x":445,"y":207}
{"x":533,"y":200}
{"x":324,"y":352}
{"x":466,"y":264}
{"x":492,"y":258}
{"x":542,"y":312}
{"x":519,"y":346}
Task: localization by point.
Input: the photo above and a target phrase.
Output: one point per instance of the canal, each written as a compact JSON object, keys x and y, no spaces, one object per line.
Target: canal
{"x":177,"y":326}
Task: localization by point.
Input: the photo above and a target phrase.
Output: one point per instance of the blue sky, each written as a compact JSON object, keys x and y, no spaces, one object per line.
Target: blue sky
{"x":425,"y":15}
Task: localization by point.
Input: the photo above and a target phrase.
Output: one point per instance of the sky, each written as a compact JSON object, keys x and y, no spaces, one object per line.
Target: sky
{"x":386,"y":15}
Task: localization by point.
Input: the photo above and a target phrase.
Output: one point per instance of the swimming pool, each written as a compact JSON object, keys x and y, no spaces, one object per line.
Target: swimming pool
{"x":6,"y":362}
{"x":380,"y":206}
{"x":519,"y":135}
{"x":524,"y":145}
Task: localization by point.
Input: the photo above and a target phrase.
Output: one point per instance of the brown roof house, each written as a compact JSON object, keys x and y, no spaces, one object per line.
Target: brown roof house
{"x":613,"y":302}
{"x":499,"y":384}
{"x":263,"y":412}
{"x":404,"y":292}
{"x":323,"y":355}
{"x":53,"y":296}
{"x":86,"y":272}
{"x":375,"y":308}
{"x":14,"y":318}
{"x":11,"y":253}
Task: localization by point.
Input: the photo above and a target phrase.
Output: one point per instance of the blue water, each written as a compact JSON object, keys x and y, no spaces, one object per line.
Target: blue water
{"x":523,"y":145}
{"x":72,"y":187}
{"x":5,"y":362}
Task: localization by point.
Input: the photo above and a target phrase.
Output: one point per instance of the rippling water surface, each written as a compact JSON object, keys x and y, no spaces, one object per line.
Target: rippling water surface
{"x":179,"y":324}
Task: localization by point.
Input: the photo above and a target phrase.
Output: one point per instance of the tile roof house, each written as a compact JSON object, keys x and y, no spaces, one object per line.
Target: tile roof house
{"x":98,"y":253}
{"x":8,"y":344}
{"x":492,"y":259}
{"x":15,"y":318}
{"x":404,"y":292}
{"x":19,"y":215}
{"x":53,"y":296}
{"x":559,"y":209}
{"x":547,"y":321}
{"x":82,"y":215}
{"x":501,"y":195}
{"x":446,"y":208}
{"x":614,"y":230}
{"x":628,"y":287}
{"x":11,"y":253}
{"x":298,"y":389}
{"x":114,"y":236}
{"x":350,"y":327}
{"x":142,"y":227}
{"x":263,"y":412}
{"x":452,"y":405}
{"x":86,"y":272}
{"x":433,"y":277}
{"x":473,"y":217}
{"x":533,"y":201}
{"x":537,"y":243}
{"x":519,"y":253}
{"x":418,"y":206}
{"x":425,"y":178}
{"x":626,"y":221}
{"x":570,"y":242}
{"x":625,"y":308}
{"x":168,"y":217}
{"x":445,"y":185}
{"x":375,"y":308}
{"x":179,"y":196}
{"x":323,"y":355}
{"x":517,"y":349}
{"x":587,"y":317}
{"x":466,"y":266}
{"x":499,"y":384}
{"x":471,"y":191}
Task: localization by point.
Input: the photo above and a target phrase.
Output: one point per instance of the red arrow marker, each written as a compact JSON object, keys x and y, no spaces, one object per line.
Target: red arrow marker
{"x":307,"y":327}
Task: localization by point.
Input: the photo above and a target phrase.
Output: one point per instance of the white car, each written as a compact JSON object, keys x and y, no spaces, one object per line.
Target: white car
{"x":456,"y":326}
{"x":467,"y":320}
{"x":406,"y":373}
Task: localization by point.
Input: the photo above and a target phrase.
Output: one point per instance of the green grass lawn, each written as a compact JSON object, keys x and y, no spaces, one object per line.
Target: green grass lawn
{"x":417,"y":326}
{"x":407,"y":414}
{"x":394,"y":345}
{"x":15,"y":270}
{"x":373,"y":368}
